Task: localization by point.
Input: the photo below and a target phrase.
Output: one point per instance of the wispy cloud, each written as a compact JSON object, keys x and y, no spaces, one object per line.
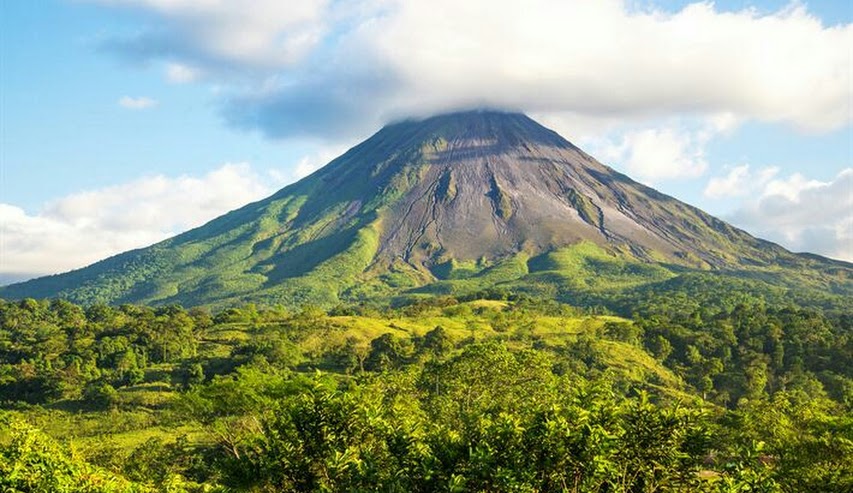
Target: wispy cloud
{"x":137,"y":103}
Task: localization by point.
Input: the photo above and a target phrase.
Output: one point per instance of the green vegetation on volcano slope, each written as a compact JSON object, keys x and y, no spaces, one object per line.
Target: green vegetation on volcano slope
{"x":586,"y":275}
{"x":439,"y":395}
{"x":301,"y":245}
{"x":424,"y":207}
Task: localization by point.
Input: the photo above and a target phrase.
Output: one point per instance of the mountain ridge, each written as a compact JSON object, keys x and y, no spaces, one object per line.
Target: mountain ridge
{"x":422,"y":201}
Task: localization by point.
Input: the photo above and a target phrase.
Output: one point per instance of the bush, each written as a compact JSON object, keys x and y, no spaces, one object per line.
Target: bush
{"x":101,"y":394}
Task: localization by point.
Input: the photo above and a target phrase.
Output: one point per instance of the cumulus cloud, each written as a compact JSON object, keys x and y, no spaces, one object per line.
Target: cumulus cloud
{"x":323,"y":67}
{"x":654,"y":151}
{"x":803,"y":214}
{"x":82,"y":228}
{"x":657,"y":153}
{"x":139,"y":103}
{"x":740,"y":181}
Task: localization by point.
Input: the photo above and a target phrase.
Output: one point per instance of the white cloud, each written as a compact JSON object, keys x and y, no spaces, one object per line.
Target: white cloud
{"x":82,"y":228}
{"x":353,"y":64}
{"x":601,"y":57}
{"x":139,"y":103}
{"x":653,"y":151}
{"x":731,"y":185}
{"x":306,"y":166}
{"x":264,"y":33}
{"x":739,"y":181}
{"x":181,"y":74}
{"x":803,"y":214}
{"x":312,"y":162}
{"x":658,"y":153}
{"x":792,"y":188}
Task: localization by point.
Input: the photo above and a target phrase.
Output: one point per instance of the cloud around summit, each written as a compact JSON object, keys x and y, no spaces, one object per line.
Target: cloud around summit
{"x":326,"y":68}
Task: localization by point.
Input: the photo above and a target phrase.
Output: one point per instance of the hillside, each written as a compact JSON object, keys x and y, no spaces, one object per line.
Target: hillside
{"x":451,"y":204}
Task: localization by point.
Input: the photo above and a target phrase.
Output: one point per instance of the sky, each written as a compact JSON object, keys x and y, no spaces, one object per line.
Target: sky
{"x":124,"y":122}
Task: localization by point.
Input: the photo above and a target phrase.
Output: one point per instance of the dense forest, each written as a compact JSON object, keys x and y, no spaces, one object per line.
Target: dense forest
{"x":490,"y":392}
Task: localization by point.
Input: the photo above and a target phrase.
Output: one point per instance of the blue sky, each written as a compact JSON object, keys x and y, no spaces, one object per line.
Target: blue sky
{"x":63,"y":129}
{"x":124,"y":122}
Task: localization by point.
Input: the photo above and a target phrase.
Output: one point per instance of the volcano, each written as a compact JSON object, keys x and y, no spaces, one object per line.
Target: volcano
{"x":451,"y":203}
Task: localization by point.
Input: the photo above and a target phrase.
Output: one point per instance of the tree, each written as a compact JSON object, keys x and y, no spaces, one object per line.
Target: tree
{"x":101,"y":394}
{"x":623,"y":331}
{"x":660,"y":347}
{"x":436,"y":342}
{"x":388,"y":351}
{"x":189,"y":375}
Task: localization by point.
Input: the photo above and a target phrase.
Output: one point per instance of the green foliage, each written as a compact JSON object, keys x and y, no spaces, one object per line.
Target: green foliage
{"x":800,"y":442}
{"x":436,"y":342}
{"x":751,"y":350}
{"x":189,"y":375}
{"x":573,"y":435}
{"x":101,"y":394}
{"x":491,"y":392}
{"x":388,"y":352}
{"x":56,"y":350}
{"x":33,"y":463}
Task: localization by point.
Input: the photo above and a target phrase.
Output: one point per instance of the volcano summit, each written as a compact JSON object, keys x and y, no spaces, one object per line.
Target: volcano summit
{"x":448,"y":204}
